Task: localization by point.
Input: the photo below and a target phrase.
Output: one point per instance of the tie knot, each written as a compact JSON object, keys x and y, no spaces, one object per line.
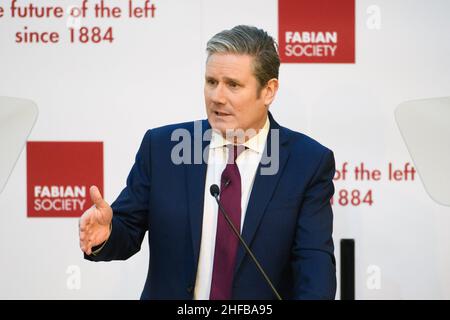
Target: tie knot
{"x":234,"y":151}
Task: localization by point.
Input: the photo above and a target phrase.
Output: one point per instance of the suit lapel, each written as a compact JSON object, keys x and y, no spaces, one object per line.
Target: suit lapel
{"x":262,"y":191}
{"x":195,"y":186}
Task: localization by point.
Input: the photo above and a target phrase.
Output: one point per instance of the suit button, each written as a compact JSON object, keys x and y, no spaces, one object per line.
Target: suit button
{"x":190,"y":289}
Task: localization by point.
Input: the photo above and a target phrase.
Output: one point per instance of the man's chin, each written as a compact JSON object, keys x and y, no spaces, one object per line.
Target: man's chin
{"x":232,"y":133}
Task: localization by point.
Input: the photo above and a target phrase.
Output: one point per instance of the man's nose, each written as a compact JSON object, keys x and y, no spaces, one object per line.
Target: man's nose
{"x":218,"y":94}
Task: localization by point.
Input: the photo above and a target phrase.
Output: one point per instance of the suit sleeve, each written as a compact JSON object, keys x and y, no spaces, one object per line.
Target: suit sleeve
{"x":313,"y":259}
{"x":130,"y":210}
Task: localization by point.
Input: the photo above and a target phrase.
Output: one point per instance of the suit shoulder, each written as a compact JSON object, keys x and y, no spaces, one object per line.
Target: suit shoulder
{"x":165,"y":132}
{"x":314,"y":156}
{"x":304,"y":144}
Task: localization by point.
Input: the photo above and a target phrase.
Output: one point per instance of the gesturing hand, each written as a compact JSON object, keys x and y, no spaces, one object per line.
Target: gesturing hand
{"x":95,"y":222}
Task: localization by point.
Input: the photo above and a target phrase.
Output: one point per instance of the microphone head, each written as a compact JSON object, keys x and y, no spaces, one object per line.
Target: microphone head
{"x":214,"y":190}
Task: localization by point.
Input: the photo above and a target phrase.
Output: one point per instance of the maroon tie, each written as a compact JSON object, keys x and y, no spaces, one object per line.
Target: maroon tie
{"x":226,"y":241}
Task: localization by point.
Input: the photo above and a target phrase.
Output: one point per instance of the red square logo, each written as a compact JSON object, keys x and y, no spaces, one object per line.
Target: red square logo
{"x":59,"y":175}
{"x":316,"y":31}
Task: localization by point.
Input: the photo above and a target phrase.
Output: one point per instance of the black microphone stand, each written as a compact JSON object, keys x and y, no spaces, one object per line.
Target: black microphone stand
{"x":214,"y":190}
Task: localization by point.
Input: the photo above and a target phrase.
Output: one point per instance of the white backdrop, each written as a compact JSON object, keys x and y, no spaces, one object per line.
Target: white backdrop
{"x":153,"y":75}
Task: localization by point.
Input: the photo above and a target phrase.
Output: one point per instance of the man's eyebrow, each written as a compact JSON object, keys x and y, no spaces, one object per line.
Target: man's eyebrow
{"x":227,"y":79}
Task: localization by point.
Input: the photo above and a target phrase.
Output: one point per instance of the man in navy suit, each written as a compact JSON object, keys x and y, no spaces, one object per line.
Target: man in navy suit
{"x":275,"y":184}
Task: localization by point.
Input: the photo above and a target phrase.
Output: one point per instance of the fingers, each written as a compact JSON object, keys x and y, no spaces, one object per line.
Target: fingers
{"x":85,"y":232}
{"x":86,"y":248}
{"x":89,"y":250}
{"x":85,"y":243}
{"x":91,"y":229}
{"x":85,"y":220}
{"x":97,"y":198}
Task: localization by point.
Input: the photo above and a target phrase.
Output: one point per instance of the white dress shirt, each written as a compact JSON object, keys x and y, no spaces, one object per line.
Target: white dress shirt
{"x":247,"y":163}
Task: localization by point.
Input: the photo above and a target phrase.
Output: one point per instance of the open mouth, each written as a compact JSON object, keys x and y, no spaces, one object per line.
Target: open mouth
{"x":221,"y":114}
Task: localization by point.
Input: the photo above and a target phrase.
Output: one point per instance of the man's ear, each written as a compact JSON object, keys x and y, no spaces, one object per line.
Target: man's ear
{"x":270,"y":91}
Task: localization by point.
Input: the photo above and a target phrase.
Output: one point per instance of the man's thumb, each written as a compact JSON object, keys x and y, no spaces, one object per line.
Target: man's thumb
{"x":96,"y":197}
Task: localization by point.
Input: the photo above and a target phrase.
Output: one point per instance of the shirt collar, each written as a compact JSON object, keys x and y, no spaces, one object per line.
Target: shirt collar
{"x":256,"y":143}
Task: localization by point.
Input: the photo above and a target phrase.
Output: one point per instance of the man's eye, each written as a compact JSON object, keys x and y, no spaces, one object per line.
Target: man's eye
{"x":233,"y":84}
{"x":211,"y":82}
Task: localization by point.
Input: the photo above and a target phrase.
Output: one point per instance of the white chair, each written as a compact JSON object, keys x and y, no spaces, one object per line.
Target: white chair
{"x":425,"y":127}
{"x":17,"y":118}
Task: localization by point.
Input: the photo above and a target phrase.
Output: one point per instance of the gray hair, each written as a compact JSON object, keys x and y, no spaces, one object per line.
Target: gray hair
{"x":252,"y":41}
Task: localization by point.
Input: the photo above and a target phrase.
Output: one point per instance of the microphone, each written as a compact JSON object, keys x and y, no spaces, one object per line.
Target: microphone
{"x":215,"y":191}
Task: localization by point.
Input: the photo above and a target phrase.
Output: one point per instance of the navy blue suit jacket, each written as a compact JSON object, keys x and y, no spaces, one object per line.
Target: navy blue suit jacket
{"x":288,"y":223}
